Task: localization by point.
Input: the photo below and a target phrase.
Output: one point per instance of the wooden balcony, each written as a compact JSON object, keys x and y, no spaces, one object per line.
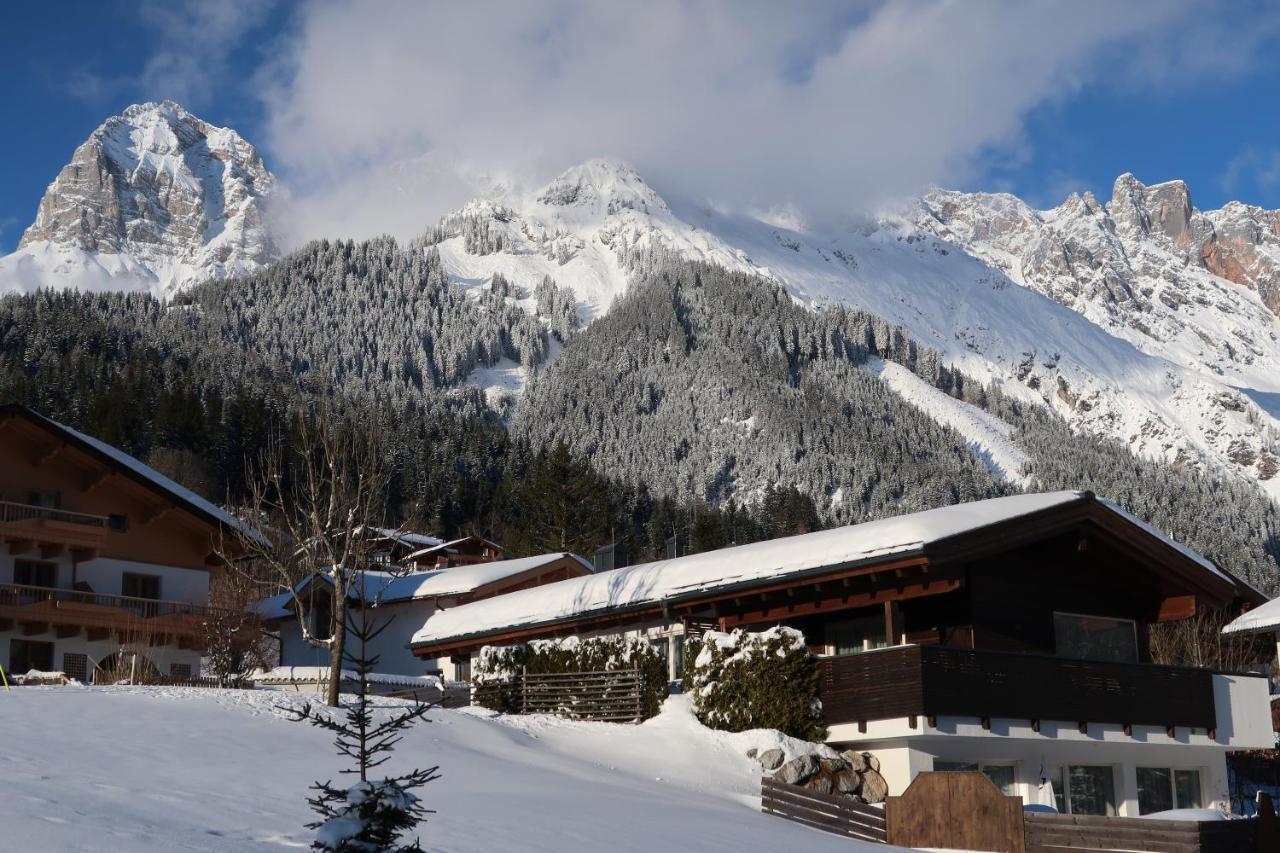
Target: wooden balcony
{"x":38,"y":609}
{"x":26,"y":528}
{"x":934,"y":681}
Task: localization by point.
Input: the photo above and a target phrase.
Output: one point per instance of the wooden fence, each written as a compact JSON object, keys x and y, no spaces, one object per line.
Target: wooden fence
{"x":1049,"y":833}
{"x":965,"y":811}
{"x":839,"y":815}
{"x":612,"y":696}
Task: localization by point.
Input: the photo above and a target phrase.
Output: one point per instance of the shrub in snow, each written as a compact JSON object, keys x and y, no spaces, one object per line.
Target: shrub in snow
{"x":496,"y":673}
{"x":741,"y":680}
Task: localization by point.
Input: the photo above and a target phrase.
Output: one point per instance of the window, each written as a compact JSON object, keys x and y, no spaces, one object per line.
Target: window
{"x":48,"y":500}
{"x":1001,"y":775}
{"x":133,"y":585}
{"x":462,"y":668}
{"x":659,"y":647}
{"x":677,"y":657}
{"x":856,"y":635}
{"x":1095,"y":637}
{"x":1088,"y":790}
{"x":118,"y":523}
{"x":1162,"y":788}
{"x":31,"y":573}
{"x":76,"y":666}
{"x":26,"y":655}
{"x":179,"y":670}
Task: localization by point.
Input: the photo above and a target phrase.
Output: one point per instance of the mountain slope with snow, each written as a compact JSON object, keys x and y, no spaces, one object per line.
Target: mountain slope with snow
{"x":595,"y":225}
{"x":155,"y":199}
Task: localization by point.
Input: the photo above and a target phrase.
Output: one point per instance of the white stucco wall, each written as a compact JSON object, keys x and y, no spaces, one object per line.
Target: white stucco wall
{"x":104,"y":576}
{"x":391,"y":646}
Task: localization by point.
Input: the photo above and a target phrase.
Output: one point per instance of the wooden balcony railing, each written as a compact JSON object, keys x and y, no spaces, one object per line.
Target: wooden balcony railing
{"x":10,"y":512}
{"x":40,"y":604}
{"x":932,"y":681}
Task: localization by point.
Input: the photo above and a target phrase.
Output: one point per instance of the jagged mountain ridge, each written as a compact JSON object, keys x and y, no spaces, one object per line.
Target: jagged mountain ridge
{"x":595,"y":226}
{"x":1199,"y":288}
{"x":155,"y":199}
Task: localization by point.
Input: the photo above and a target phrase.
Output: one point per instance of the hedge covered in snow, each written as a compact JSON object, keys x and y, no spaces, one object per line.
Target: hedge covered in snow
{"x":494,"y":676}
{"x":766,"y":680}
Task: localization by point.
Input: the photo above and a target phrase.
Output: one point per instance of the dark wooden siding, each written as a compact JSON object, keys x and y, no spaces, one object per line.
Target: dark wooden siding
{"x":940,"y":680}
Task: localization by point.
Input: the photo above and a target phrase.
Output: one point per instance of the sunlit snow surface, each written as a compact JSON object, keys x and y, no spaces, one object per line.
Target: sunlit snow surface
{"x":165,"y":769}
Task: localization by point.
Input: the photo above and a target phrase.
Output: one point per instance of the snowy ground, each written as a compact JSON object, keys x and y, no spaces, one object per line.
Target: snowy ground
{"x":172,"y":769}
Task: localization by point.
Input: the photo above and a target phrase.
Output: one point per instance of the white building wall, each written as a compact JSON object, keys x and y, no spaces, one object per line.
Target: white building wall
{"x":189,"y":586}
{"x":391,"y":646}
{"x":1244,"y":722}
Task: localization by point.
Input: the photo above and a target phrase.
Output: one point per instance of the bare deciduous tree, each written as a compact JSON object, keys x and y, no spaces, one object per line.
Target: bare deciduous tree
{"x":235,"y":641}
{"x":307,"y":513}
{"x":1199,"y":641}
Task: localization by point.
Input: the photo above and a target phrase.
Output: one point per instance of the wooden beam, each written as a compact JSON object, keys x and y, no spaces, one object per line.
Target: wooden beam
{"x":20,"y":546}
{"x":986,"y":724}
{"x":93,"y":635}
{"x":1176,"y":607}
{"x":6,"y":624}
{"x":1035,"y":726}
{"x":50,"y":550}
{"x":1170,"y":731}
{"x":843,"y":602}
{"x":47,"y":455}
{"x":1128,"y":729}
{"x":30,"y":629}
{"x":65,"y":631}
{"x":1083,"y":726}
{"x":893,"y":620}
{"x":96,"y":479}
{"x":156,"y":513}
{"x":84,"y":555}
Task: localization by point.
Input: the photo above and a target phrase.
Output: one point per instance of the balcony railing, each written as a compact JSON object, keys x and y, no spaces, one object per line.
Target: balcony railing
{"x":10,"y":512}
{"x":91,"y":609}
{"x":932,"y":681}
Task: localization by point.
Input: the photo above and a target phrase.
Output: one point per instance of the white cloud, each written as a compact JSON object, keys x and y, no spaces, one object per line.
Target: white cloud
{"x":1252,"y":172}
{"x":197,"y":37}
{"x":830,"y":109}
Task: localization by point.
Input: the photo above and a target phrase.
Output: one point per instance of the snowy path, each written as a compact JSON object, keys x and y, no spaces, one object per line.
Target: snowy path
{"x":134,"y":769}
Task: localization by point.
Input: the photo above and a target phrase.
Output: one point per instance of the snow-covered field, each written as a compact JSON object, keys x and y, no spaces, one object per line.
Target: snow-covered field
{"x":173,"y":769}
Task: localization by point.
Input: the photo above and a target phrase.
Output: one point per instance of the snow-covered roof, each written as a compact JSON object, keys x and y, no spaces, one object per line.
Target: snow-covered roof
{"x":671,"y":580}
{"x":391,"y":588}
{"x":407,"y":537}
{"x":181,"y":494}
{"x":1166,"y":539}
{"x":1259,"y":620}
{"x":446,"y":546}
{"x":460,"y":580}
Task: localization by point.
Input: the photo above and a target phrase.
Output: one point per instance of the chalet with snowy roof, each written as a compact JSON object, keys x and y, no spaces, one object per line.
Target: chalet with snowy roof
{"x":408,"y":600}
{"x":101,"y":557}
{"x":1003,"y":635}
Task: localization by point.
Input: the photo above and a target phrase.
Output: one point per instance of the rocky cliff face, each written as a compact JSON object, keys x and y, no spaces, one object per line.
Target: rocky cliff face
{"x":155,"y":198}
{"x":1199,"y":288}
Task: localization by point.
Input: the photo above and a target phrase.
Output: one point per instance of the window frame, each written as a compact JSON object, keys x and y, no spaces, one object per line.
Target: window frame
{"x":1133,"y":625}
{"x":1063,"y":791}
{"x":1174,"y":799}
{"x":147,"y":579}
{"x":36,"y":567}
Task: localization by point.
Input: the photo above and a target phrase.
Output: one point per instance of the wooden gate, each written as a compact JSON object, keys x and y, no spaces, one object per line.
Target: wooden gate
{"x":960,"y":810}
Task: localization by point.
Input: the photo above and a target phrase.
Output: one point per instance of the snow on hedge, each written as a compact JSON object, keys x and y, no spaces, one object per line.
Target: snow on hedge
{"x":669,"y":580}
{"x":311,"y":674}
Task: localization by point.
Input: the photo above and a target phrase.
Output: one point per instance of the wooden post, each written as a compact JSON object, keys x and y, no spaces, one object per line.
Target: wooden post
{"x":524,"y":690}
{"x":892,"y":623}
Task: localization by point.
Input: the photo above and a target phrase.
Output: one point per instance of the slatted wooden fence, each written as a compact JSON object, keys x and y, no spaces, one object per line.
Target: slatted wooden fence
{"x":615,"y":696}
{"x":1050,"y":833}
{"x":839,"y":815}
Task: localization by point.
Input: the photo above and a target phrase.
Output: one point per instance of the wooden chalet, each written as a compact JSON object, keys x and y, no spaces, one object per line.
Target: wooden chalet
{"x":1007,"y":633}
{"x":98,"y":553}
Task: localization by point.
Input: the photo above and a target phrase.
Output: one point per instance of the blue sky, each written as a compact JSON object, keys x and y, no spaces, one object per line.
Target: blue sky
{"x":336,"y":90}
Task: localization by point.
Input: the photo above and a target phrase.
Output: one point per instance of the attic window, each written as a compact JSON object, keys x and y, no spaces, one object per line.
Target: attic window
{"x":1101,"y":638}
{"x":118,"y":523}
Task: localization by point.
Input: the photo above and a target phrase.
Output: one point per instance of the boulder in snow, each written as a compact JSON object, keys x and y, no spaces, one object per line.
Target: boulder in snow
{"x":847,"y":781}
{"x":771,"y":759}
{"x":874,"y":788}
{"x":798,"y":770}
{"x":855,"y":759}
{"x":819,"y":784}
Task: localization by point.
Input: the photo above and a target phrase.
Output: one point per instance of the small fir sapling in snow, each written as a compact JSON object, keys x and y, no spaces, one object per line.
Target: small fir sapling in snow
{"x":370,"y":815}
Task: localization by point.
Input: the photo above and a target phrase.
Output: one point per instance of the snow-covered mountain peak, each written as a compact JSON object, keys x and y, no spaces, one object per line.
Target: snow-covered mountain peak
{"x":155,"y":199}
{"x":601,"y":187}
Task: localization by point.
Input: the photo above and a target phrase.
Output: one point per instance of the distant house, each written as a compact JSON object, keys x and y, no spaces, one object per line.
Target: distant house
{"x":99,"y":554}
{"x":407,"y":601}
{"x":1003,"y":635}
{"x":458,"y":552}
